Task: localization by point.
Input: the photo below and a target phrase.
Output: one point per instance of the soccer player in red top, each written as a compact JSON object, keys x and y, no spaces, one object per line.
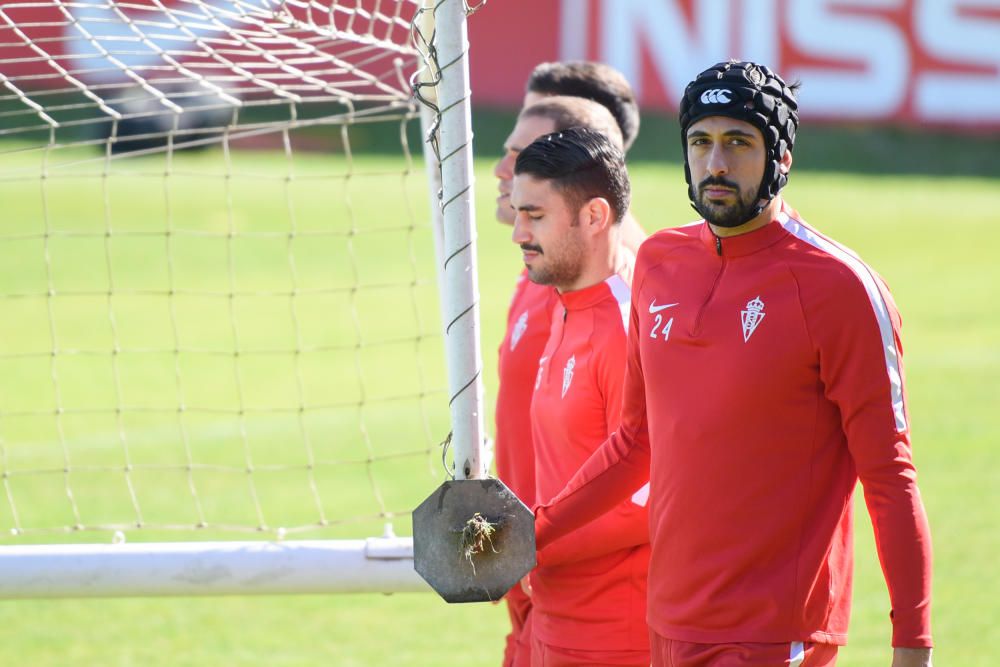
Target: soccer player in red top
{"x":570,"y":193}
{"x":528,"y":321}
{"x":530,"y":311}
{"x":764,"y":379}
{"x":559,"y":95}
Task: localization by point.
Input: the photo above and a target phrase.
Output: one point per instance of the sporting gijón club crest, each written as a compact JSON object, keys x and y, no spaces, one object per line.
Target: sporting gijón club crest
{"x":752,"y":317}
{"x":519,"y":328}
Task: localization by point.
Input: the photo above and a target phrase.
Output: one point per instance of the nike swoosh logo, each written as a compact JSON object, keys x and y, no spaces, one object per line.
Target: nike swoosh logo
{"x":653,"y":308}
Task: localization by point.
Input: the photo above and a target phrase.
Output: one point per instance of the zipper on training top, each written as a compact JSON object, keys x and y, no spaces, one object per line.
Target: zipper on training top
{"x":561,"y":338}
{"x":696,"y":329}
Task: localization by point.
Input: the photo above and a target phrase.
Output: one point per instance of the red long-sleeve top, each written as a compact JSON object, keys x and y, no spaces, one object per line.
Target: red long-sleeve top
{"x":764,"y":379}
{"x":589,"y":592}
{"x":528,"y":320}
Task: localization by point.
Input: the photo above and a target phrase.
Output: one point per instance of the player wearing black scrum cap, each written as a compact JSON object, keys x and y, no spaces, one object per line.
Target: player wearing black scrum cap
{"x":755,"y":95}
{"x":764,"y":379}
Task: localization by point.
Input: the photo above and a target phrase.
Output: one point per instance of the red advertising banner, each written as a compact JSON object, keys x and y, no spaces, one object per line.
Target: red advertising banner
{"x":920,"y":62}
{"x":931,"y":62}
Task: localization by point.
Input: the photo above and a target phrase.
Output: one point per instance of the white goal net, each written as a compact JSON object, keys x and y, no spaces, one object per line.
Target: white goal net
{"x":218,"y":279}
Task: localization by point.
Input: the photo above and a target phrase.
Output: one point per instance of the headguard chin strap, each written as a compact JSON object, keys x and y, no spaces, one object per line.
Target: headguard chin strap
{"x":752,"y":93}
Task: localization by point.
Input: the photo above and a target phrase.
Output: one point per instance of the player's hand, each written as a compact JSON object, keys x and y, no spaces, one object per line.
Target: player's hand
{"x":526,"y":585}
{"x":911,"y":657}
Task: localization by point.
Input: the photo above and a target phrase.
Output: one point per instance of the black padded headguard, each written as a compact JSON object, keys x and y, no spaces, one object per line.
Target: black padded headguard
{"x":752,"y":93}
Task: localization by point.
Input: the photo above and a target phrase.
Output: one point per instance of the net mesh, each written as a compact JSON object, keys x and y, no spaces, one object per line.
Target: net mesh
{"x":216,"y":270}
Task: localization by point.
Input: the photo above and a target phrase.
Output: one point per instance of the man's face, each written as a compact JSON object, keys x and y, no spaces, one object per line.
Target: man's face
{"x":726,"y":158}
{"x":548,"y":231}
{"x":527,"y":130}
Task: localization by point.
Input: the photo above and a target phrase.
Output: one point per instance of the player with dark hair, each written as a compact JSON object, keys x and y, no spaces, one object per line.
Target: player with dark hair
{"x":764,"y":379}
{"x":590,"y":80}
{"x":528,"y":321}
{"x":528,"y":314}
{"x":550,"y":113}
{"x":571,"y":190}
{"x":594,"y":81}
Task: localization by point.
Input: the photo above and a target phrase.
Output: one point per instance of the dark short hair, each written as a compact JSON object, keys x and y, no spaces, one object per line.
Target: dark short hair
{"x":566,"y":112}
{"x":594,"y":81}
{"x":581,"y":164}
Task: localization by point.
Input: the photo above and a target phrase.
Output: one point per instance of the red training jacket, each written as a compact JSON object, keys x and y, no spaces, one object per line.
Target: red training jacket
{"x":589,"y":591}
{"x":764,"y":379}
{"x":528,"y":319}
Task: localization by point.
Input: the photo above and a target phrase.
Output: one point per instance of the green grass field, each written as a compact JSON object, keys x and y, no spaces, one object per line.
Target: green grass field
{"x":932,"y":238}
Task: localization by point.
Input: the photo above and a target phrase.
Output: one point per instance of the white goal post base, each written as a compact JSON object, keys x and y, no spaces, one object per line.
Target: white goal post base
{"x":374,"y":565}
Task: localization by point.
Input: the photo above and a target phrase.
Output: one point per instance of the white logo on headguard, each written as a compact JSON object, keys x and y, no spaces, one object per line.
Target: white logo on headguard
{"x":519,"y":328}
{"x":752,"y":316}
{"x":716,"y":96}
{"x":568,"y":375}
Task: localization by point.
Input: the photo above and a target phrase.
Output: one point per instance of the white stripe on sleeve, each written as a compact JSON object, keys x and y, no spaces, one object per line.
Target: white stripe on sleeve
{"x":623,"y":295}
{"x":797,"y":654}
{"x":879,"y":306}
{"x":641,"y":497}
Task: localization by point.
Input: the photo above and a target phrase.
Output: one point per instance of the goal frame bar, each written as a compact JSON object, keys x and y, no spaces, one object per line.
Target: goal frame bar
{"x":373,"y":565}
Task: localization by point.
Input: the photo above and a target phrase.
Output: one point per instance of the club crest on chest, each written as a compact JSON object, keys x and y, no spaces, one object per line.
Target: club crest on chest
{"x":519,"y":328}
{"x":568,"y":375}
{"x":752,"y":316}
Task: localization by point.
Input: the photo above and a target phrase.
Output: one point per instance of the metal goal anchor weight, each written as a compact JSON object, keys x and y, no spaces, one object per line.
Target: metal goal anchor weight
{"x":473,"y":539}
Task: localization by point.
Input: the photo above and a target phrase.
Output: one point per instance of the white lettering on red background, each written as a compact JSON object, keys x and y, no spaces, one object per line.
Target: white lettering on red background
{"x":917,"y":60}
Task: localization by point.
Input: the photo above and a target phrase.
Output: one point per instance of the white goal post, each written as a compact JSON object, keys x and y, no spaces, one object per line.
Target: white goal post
{"x":185,"y":355}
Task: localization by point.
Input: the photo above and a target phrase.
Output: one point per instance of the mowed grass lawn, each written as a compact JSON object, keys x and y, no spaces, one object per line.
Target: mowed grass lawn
{"x":933,"y":239}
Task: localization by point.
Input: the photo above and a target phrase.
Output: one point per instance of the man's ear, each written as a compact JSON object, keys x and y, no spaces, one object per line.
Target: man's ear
{"x":786,"y":162}
{"x":595,"y":215}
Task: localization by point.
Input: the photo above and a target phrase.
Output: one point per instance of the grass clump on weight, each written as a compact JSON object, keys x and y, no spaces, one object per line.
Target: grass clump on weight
{"x":476,"y":535}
